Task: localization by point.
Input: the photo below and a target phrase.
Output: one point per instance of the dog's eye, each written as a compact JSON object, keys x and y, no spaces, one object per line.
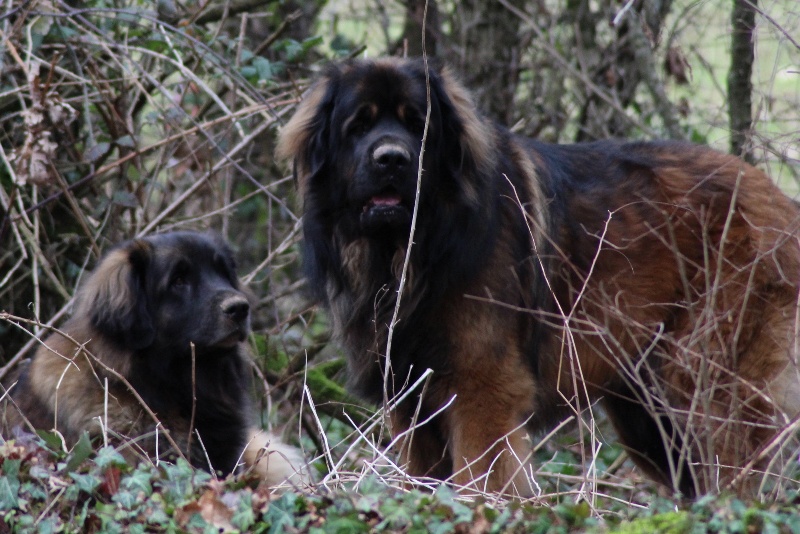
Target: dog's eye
{"x":357,"y":128}
{"x":415,"y":122}
{"x":360,"y":122}
{"x":180,"y":277}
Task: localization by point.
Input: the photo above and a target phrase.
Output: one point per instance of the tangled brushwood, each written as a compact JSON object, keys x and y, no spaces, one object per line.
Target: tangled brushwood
{"x":660,"y":279}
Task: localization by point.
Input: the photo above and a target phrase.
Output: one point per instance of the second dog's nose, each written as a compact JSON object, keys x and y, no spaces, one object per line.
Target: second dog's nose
{"x":237,"y":308}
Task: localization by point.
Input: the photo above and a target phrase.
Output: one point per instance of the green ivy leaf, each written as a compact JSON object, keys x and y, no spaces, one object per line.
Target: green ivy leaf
{"x":93,"y":153}
{"x":263,"y":68}
{"x":248,"y":72}
{"x":126,"y":199}
{"x":52,"y":440}
{"x":246,"y":55}
{"x":244,"y":517}
{"x":9,"y":485}
{"x":127,"y":141}
{"x":80,"y":452}
{"x":138,"y":481}
{"x":107,"y":456}
{"x":156,"y":45}
{"x":311,"y":42}
{"x":85,"y":483}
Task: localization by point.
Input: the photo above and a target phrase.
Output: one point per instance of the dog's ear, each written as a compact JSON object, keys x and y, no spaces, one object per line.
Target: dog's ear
{"x":115,"y":296}
{"x":466,"y":149}
{"x":468,"y":137}
{"x":306,"y":137}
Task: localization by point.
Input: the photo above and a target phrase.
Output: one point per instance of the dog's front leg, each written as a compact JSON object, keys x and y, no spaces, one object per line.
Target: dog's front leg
{"x":489,"y":445}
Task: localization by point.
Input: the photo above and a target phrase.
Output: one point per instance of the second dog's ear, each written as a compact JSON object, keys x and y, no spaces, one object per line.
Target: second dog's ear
{"x":115,"y":296}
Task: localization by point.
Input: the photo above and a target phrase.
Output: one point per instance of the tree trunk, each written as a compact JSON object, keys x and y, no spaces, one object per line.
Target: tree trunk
{"x":411,"y":42}
{"x":740,"y":85}
{"x":622,"y":67}
{"x":487,"y":42}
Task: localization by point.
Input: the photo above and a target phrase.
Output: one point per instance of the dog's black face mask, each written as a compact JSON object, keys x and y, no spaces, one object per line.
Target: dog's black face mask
{"x":171,"y":291}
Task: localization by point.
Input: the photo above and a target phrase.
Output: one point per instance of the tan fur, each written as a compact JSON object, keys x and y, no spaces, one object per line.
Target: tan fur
{"x":64,"y":377}
{"x":535,"y":208}
{"x":274,"y":461}
{"x":294,"y":135}
{"x":478,"y":137}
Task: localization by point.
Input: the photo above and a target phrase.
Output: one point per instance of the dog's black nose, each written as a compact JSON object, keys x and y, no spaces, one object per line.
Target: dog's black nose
{"x":236,"y":308}
{"x":391,"y":157}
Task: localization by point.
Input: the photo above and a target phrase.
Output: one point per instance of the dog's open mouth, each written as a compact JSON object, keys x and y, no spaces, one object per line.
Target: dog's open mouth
{"x":383,"y":201}
{"x":385,"y":210}
{"x":231,"y":339}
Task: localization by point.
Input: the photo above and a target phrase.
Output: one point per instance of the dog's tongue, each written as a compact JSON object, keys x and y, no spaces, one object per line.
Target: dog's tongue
{"x":385,"y":200}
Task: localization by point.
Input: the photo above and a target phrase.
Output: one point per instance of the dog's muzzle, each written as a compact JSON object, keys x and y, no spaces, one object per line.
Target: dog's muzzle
{"x":390,"y":171}
{"x":236,"y":316}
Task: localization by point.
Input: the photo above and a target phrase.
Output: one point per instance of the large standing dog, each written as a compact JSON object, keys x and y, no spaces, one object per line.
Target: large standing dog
{"x":661,"y":278}
{"x":156,"y":343}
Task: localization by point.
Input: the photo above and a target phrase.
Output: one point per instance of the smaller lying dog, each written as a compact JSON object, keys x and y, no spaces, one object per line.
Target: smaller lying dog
{"x":160,"y":322}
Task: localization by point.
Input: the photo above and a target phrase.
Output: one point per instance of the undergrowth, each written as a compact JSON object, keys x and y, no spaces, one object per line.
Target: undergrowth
{"x":44,"y":489}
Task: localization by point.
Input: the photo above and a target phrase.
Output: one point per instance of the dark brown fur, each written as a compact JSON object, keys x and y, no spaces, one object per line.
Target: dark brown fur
{"x":661,"y":278}
{"x":149,"y":309}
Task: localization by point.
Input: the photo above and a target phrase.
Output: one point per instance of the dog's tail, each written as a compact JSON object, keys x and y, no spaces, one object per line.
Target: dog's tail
{"x":276,"y":462}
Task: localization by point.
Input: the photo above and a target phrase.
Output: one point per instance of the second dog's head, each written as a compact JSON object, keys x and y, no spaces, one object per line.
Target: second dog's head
{"x":167,"y":291}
